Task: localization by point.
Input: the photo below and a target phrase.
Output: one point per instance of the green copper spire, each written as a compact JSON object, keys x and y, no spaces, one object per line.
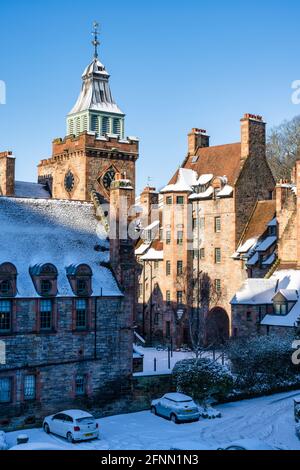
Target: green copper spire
{"x":95,"y":110}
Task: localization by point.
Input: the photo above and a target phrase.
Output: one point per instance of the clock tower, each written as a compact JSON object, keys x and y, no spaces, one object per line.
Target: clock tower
{"x":95,"y":148}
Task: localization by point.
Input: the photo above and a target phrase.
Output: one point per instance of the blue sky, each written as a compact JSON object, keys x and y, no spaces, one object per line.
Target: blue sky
{"x":174,"y":65}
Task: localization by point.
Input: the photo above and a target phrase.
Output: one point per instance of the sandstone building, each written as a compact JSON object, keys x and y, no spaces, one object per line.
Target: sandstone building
{"x":272,"y":304}
{"x":204,"y":212}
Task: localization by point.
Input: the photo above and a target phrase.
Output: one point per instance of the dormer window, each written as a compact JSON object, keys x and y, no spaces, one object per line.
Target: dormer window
{"x":80,"y":278}
{"x":46,"y":287}
{"x":280,"y":308}
{"x":8,"y":279}
{"x":284,"y":301}
{"x":82,"y":287}
{"x":44,"y":277}
{"x":5,"y":287}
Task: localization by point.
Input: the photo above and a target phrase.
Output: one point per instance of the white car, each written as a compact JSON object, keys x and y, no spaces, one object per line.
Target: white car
{"x":177,"y":407}
{"x":74,"y":425}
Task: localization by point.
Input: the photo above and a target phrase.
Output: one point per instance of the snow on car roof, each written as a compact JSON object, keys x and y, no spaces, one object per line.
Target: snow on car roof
{"x":77,"y":414}
{"x":177,"y":397}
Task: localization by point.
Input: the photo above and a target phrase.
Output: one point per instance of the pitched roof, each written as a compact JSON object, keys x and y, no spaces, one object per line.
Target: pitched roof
{"x":38,"y":231}
{"x":263,"y":213}
{"x":221,"y":160}
{"x":31,"y":190}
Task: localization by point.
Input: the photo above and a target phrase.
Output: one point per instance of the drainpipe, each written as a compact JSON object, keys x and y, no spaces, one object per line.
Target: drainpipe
{"x":95,"y":326}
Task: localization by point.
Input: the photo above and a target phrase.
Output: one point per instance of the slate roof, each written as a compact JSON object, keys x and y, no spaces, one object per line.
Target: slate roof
{"x":31,"y":190}
{"x":38,"y":231}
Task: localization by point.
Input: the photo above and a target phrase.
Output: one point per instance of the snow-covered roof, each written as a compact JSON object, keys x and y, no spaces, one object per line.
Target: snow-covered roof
{"x":205,"y":195}
{"x":270,"y":260}
{"x":142,"y":249}
{"x":185,"y":180}
{"x":273,"y":223}
{"x":153,"y":255}
{"x":31,"y":190}
{"x":253,"y":260}
{"x":95,"y":94}
{"x":226,"y":191}
{"x":153,"y":225}
{"x":262,"y":292}
{"x":205,"y":179}
{"x":248,"y":245}
{"x":38,"y":231}
{"x":266,"y":243}
{"x":291,"y":295}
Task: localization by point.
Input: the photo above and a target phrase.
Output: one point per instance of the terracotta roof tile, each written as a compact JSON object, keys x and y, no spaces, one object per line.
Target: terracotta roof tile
{"x":221,"y":160}
{"x":263,"y":213}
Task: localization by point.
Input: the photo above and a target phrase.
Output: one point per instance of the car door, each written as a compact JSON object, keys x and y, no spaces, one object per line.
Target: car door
{"x":66,"y":425}
{"x":55,"y":424}
{"x":164,"y":407}
{"x":169,"y":405}
{"x":159,"y":407}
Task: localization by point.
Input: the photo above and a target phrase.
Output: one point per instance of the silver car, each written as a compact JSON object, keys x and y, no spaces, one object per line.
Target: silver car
{"x":73,"y":425}
{"x":177,"y":407}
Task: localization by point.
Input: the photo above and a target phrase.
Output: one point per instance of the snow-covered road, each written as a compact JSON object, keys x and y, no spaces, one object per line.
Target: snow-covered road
{"x":268,"y":418}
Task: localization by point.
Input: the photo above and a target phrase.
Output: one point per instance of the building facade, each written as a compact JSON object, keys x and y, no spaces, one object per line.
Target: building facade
{"x":271,"y":304}
{"x":205,"y":210}
{"x":67,"y":279}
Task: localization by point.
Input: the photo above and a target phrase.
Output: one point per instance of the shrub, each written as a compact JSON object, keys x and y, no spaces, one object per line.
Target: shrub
{"x":202,"y":379}
{"x":262,"y":359}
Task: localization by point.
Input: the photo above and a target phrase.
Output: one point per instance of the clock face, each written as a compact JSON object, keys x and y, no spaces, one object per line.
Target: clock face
{"x":108,"y":178}
{"x":69,"y":182}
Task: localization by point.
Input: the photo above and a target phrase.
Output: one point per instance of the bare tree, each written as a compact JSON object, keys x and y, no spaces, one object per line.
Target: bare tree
{"x":283,"y":147}
{"x":207,"y":297}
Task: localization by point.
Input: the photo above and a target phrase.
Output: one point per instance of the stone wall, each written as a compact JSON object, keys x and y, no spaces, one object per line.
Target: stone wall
{"x":104,"y":358}
{"x":149,"y":387}
{"x":88,"y":159}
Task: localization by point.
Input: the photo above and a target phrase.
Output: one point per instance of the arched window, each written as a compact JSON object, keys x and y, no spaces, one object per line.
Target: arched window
{"x":8,"y":278}
{"x":80,"y":278}
{"x":44,"y":277}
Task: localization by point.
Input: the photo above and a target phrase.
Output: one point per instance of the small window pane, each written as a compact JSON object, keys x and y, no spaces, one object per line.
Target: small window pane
{"x":180,"y":200}
{"x":218,"y":255}
{"x":179,"y":238}
{"x":46,"y":314}
{"x":218,"y":224}
{"x":5,"y":390}
{"x":80,"y":385}
{"x":29,"y":387}
{"x":81,"y":313}
{"x":5,"y":315}
{"x":168,"y":268}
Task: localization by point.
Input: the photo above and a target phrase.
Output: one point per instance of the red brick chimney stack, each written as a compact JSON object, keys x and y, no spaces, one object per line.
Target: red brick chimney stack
{"x":197,"y":138}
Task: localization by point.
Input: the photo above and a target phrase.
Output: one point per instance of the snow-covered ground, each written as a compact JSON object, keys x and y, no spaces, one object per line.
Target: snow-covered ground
{"x":162,"y":365}
{"x":269,"y":419}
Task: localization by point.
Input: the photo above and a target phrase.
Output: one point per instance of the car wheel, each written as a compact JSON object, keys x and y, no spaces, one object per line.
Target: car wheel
{"x":70,"y":438}
{"x":174,"y":418}
{"x":153,"y":410}
{"x":46,"y":428}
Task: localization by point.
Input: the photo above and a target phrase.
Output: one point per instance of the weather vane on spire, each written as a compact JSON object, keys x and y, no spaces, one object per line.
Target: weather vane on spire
{"x":95,"y":41}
